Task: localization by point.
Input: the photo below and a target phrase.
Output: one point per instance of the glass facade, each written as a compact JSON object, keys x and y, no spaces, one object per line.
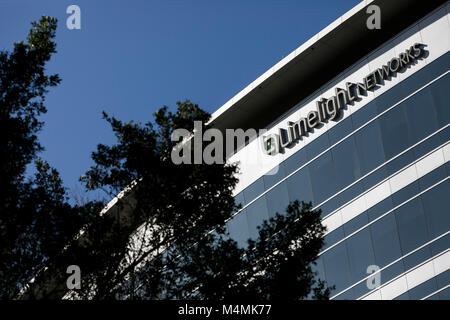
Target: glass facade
{"x":374,"y":143}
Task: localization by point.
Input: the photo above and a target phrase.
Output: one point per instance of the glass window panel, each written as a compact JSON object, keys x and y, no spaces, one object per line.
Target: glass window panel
{"x":392,"y":271}
{"x":411,"y":225}
{"x":253,"y":190}
{"x":299,"y":186}
{"x":444,"y":135}
{"x":361,"y":289}
{"x":423,"y":289}
{"x":441,"y":97}
{"x":417,"y":257}
{"x":360,"y":254}
{"x":375,"y":177}
{"x":277,"y":199}
{"x":370,"y":148}
{"x":363,"y":115}
{"x":239,"y":199}
{"x":317,"y":146}
{"x":336,"y":268}
{"x":385,"y":240}
{"x":238,"y":229}
{"x":347,"y":295}
{"x":444,"y":294}
{"x":271,"y":179}
{"x":328,"y":207}
{"x":394,"y":131}
{"x":333,"y":237}
{"x":346,"y":163}
{"x":415,"y":81}
{"x":440,"y":245}
{"x":406,"y":193}
{"x":426,"y":146}
{"x":389,"y":98}
{"x":436,"y":203}
{"x":322,"y":178}
{"x":318,"y":267}
{"x":256,"y":214}
{"x":400,"y":162}
{"x":403,"y":296}
{"x":356,"y":223}
{"x":379,"y":209}
{"x":340,"y":130}
{"x":443,"y":279}
{"x":350,"y":193}
{"x":295,"y":161}
{"x":433,"y":177}
{"x":421,"y":115}
{"x":439,"y":66}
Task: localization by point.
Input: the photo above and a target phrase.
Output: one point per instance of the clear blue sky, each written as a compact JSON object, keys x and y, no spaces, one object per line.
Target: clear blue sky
{"x":132,"y":57}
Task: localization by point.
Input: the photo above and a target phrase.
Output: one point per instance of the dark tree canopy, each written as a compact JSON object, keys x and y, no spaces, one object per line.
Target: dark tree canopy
{"x":164,"y":237}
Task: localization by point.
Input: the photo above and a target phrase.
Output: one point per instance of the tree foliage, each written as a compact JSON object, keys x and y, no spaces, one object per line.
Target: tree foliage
{"x":163,"y":236}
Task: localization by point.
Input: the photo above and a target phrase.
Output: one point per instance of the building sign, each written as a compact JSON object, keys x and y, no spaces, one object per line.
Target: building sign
{"x":330,"y":109}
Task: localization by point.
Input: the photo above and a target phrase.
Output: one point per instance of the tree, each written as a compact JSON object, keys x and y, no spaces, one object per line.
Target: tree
{"x":165,"y":237}
{"x":35,"y":218}
{"x":182,"y":249}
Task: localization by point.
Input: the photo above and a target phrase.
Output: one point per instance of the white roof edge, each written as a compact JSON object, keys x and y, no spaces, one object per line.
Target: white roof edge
{"x":279,"y":65}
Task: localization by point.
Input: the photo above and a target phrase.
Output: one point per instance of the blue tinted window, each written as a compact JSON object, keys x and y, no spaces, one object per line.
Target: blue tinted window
{"x":277,"y":199}
{"x":336,"y":267}
{"x":406,"y":193}
{"x":256,"y":214}
{"x":239,"y":199}
{"x":444,"y":135}
{"x":426,"y":146}
{"x":356,"y":223}
{"x":433,"y":177}
{"x":439,"y":66}
{"x":361,"y":289}
{"x":350,"y":194}
{"x":375,"y":177}
{"x":403,"y":296}
{"x":317,"y":146}
{"x":360,"y":254}
{"x":333,"y":237}
{"x":385,"y":240}
{"x":440,"y":94}
{"x":436,"y":203}
{"x":363,"y":115}
{"x":238,"y":229}
{"x":400,"y":162}
{"x":392,"y":271}
{"x":444,"y":294}
{"x":440,"y":245}
{"x":329,"y":207}
{"x":415,"y":81}
{"x":346,"y":163}
{"x":299,"y":186}
{"x":379,"y":209}
{"x":370,"y":149}
{"x":443,"y":279}
{"x":295,"y":161}
{"x":277,"y":173}
{"x":347,"y":295}
{"x":394,"y":131}
{"x":417,"y":257}
{"x":254,"y":190}
{"x":389,"y":98}
{"x":340,"y":130}
{"x":421,"y":115}
{"x":423,"y":289}
{"x":322,"y":178}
